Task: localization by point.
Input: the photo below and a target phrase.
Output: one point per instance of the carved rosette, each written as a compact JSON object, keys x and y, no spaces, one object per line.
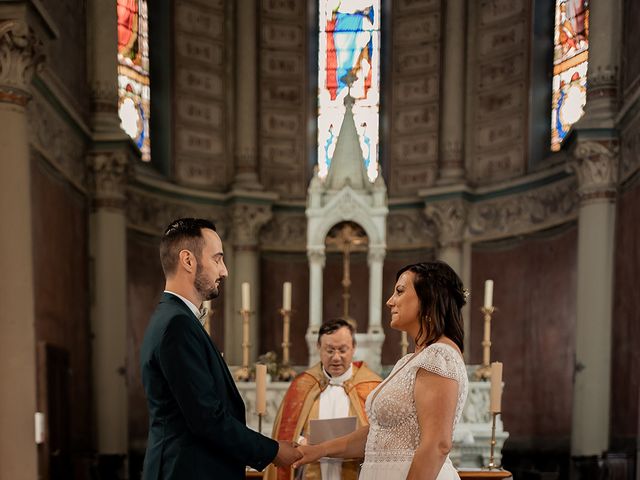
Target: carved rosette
{"x":596,"y":168}
{"x":21,"y":54}
{"x":247,"y":220}
{"x":450,"y":219}
{"x":108,"y":172}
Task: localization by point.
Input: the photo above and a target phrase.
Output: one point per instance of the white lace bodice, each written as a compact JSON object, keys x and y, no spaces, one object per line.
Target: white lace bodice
{"x":394,"y":432}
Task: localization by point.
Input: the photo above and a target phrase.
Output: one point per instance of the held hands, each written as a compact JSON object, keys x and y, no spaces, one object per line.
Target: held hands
{"x":310,"y":454}
{"x":288,"y":453}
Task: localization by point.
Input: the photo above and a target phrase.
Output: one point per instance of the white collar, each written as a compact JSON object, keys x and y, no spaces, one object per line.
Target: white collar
{"x":200,"y":315}
{"x":339,"y":380}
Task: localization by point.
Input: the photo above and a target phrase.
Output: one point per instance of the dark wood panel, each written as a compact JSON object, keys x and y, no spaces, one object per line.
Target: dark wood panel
{"x":145,"y":283}
{"x":62,"y":293}
{"x":532,"y":331}
{"x":277,"y":268}
{"x":625,"y":369}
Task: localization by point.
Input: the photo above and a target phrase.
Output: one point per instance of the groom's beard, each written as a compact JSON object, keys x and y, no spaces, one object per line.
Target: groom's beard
{"x":207,"y":290}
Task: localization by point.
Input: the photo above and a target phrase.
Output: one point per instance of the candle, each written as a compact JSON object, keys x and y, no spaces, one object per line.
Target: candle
{"x":496,"y":388}
{"x":261,"y":389}
{"x":286,"y":296}
{"x":246,"y":297}
{"x":488,"y":293}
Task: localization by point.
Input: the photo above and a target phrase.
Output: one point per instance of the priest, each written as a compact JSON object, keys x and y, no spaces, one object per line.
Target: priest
{"x":333,"y":388}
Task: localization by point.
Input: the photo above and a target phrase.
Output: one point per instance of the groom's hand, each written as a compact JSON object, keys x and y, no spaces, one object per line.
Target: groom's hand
{"x":287,"y":454}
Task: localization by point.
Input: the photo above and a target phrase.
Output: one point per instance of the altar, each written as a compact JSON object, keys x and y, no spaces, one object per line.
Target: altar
{"x":472,"y":436}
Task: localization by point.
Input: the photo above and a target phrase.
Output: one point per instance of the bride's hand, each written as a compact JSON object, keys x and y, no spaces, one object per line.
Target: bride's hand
{"x":310,"y":454}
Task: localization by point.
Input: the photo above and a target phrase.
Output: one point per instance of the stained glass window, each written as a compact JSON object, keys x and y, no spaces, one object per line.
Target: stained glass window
{"x":133,"y":72}
{"x":570,"y":55}
{"x":349,"y":47}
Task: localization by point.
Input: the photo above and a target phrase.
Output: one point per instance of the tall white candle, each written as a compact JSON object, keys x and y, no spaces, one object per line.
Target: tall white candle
{"x":495,"y":403}
{"x":246,"y":297}
{"x":261,"y":389}
{"x":286,"y":296}
{"x":488,"y":293}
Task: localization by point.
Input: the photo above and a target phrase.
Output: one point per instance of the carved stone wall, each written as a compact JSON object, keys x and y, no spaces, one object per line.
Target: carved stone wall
{"x":285,"y":232}
{"x":69,"y":71}
{"x":151,"y":212}
{"x":283,"y":75}
{"x":499,"y":58}
{"x":201,"y":53}
{"x":56,"y":141}
{"x":415,"y":105}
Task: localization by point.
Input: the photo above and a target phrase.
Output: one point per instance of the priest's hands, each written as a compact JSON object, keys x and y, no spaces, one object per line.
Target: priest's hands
{"x":310,"y":454}
{"x":287,"y":454}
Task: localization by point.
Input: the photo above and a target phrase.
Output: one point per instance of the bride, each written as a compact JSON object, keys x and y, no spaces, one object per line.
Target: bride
{"x":413,"y":413}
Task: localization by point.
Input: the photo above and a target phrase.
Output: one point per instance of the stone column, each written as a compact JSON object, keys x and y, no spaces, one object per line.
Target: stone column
{"x":108,"y":171}
{"x":596,"y":168}
{"x":453,"y":95}
{"x":375,"y":259}
{"x":605,"y":27}
{"x":109,"y":158}
{"x":247,"y":221}
{"x":595,"y":163}
{"x":20,"y":54}
{"x":450,"y":218}
{"x":246,"y":100}
{"x":316,"y":266}
{"x":103,"y":68}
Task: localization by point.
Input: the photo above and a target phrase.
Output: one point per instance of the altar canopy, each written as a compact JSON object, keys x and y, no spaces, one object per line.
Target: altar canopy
{"x":347,"y":195}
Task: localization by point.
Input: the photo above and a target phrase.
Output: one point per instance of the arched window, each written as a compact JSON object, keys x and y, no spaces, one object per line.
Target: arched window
{"x":570,"y":55}
{"x":133,"y":72}
{"x":349,"y":52}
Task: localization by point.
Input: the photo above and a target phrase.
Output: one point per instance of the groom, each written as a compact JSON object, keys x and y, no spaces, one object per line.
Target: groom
{"x":197,"y":424}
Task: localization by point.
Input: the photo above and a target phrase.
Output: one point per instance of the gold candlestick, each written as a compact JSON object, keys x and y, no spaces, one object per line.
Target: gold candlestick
{"x":404,"y":343}
{"x":242,"y":373}
{"x":286,"y":373}
{"x":484,"y":371}
{"x":492,"y":465}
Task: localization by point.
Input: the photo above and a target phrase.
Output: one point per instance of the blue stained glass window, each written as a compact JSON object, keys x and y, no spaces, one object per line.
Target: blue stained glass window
{"x":134,"y":90}
{"x":349,"y":43}
{"x":570,"y":60}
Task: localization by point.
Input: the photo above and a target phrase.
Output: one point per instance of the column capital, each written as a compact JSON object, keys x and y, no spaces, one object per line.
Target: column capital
{"x":109,"y":171}
{"x":247,"y":220}
{"x":376,"y":253}
{"x":21,"y":54}
{"x":596,"y":167}
{"x":316,"y":256}
{"x":450,"y":219}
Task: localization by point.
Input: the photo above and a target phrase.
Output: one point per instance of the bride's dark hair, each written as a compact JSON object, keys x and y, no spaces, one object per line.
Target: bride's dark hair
{"x":442,"y":297}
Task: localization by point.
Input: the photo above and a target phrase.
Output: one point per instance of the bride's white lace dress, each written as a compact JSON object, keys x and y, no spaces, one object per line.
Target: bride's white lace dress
{"x":394,"y":432}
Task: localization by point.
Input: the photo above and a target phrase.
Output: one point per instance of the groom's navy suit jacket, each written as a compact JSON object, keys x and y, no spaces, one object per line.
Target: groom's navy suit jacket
{"x":197,"y":427}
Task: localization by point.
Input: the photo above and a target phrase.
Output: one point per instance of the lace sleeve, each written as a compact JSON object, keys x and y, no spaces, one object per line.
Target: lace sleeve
{"x":439,"y":359}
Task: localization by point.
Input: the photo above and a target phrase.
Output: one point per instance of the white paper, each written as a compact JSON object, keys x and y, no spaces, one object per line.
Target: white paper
{"x":330,"y":428}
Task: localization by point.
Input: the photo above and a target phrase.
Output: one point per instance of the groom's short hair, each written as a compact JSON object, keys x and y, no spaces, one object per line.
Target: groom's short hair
{"x":182,"y":234}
